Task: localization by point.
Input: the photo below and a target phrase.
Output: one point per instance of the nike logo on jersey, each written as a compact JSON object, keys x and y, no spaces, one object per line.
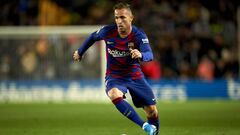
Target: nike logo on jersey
{"x":109,"y":42}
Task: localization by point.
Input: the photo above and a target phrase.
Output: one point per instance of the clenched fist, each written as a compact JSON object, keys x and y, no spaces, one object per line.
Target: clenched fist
{"x":76,"y":56}
{"x":135,"y":54}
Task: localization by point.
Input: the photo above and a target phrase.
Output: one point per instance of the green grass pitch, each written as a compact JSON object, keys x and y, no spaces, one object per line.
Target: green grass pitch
{"x":177,"y":118}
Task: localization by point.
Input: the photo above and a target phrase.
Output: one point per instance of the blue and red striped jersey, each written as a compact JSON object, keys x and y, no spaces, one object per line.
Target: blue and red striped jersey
{"x":119,"y":61}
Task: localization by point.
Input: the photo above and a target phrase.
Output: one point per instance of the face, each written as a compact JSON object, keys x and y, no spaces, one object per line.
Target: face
{"x":123,"y":19}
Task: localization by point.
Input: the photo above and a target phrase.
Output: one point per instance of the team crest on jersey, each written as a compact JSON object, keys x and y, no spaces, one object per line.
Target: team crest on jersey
{"x":130,"y":45}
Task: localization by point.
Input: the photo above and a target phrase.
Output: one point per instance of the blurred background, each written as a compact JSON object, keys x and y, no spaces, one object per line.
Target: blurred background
{"x":195,"y":43}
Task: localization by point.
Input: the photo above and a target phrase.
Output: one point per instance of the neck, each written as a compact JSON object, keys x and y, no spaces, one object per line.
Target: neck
{"x":125,"y":33}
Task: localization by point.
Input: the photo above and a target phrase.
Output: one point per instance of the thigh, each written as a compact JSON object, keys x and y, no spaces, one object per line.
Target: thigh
{"x":115,"y":83}
{"x":141,"y":93}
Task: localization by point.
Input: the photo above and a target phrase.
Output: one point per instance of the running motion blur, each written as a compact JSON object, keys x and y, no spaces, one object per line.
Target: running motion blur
{"x":126,"y":47}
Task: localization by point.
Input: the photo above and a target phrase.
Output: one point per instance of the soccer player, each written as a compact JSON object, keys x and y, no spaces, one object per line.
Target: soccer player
{"x":126,"y":47}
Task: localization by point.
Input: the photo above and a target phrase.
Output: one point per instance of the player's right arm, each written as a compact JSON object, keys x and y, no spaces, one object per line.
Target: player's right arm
{"x":95,"y":36}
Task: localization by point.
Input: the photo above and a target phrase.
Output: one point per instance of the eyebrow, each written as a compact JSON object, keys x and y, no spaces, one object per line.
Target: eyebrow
{"x":122,"y":16}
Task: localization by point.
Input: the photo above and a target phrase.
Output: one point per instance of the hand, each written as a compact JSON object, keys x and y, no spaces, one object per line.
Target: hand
{"x":76,"y":56}
{"x":135,"y":54}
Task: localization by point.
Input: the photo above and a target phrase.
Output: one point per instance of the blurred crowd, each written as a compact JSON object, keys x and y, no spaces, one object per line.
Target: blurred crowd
{"x":190,"y":38}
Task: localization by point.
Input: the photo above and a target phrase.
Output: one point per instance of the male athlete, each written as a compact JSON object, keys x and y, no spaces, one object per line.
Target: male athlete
{"x":126,"y":46}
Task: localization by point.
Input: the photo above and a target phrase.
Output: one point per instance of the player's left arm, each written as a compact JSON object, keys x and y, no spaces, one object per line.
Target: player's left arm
{"x":145,"y":52}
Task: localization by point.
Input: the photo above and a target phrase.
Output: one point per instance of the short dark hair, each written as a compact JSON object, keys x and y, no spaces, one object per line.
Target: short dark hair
{"x":122,"y":5}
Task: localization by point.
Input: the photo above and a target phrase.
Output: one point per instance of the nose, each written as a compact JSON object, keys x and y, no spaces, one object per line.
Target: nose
{"x":119,"y":21}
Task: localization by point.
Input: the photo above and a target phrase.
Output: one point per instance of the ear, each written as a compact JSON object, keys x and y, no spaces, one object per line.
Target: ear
{"x":132,"y":17}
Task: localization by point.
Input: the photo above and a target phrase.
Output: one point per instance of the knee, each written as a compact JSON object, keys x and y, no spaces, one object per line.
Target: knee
{"x":151,"y":111}
{"x":153,"y":114}
{"x":114,"y":93}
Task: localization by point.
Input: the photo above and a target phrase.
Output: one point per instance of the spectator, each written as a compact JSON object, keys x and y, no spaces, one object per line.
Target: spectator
{"x":152,"y":70}
{"x":205,"y":69}
{"x":180,"y":32}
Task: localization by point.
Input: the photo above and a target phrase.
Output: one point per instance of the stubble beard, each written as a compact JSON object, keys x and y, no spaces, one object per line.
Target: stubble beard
{"x":123,"y":32}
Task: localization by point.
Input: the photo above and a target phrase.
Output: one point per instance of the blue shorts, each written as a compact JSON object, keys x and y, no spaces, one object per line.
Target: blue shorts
{"x":140,"y":91}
